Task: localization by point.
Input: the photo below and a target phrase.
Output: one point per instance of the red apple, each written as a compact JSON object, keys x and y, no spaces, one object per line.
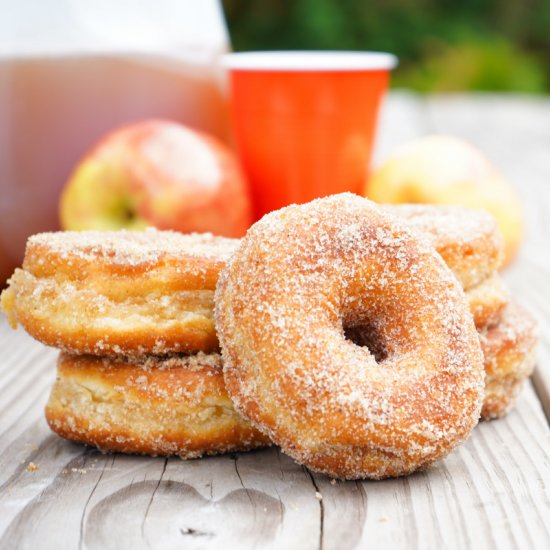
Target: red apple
{"x":158,"y":173}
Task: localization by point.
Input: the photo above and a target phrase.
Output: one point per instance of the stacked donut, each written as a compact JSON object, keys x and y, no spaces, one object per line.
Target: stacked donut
{"x":132,"y":313}
{"x":365,"y":341}
{"x":470,"y":244}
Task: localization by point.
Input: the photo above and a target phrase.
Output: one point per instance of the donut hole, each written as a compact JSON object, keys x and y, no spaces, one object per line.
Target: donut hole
{"x":366,"y":335}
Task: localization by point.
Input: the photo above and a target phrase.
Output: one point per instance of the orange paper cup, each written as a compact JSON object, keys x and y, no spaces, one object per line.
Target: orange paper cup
{"x":304,"y":122}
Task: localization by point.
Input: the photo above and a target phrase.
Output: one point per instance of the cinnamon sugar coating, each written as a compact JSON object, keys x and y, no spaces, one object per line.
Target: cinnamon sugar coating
{"x":467,"y":239}
{"x":119,"y":292}
{"x":135,"y":293}
{"x":508,"y":352}
{"x":509,"y":349}
{"x":299,"y":279}
{"x":488,"y":301}
{"x":158,"y":406}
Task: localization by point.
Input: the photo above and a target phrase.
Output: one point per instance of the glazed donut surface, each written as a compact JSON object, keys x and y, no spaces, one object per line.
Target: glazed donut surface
{"x":172,"y":406}
{"x":467,"y":239}
{"x":119,"y":292}
{"x":300,"y":278}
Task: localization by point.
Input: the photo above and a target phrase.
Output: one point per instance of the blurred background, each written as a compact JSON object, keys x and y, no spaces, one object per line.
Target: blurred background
{"x":442,"y":45}
{"x":72,"y":72}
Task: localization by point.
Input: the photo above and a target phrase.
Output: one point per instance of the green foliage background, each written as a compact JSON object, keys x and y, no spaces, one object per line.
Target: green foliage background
{"x":442,"y":45}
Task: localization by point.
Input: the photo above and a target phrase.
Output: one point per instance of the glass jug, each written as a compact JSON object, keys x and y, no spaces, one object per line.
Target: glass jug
{"x":72,"y":70}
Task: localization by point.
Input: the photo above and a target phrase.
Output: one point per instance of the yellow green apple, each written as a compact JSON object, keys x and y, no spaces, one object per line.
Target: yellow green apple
{"x":157,"y":173}
{"x":440,"y":169}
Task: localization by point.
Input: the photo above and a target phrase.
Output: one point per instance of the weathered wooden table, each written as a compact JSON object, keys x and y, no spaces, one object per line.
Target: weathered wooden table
{"x":493,"y":492}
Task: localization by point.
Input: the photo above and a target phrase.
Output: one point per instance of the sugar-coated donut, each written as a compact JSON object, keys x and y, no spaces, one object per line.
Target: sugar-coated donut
{"x":300,"y":277}
{"x":467,"y":239}
{"x":487,"y":301}
{"x":510,"y":356}
{"x":137,"y":293}
{"x":171,"y":406}
{"x":508,"y":351}
{"x":119,"y":292}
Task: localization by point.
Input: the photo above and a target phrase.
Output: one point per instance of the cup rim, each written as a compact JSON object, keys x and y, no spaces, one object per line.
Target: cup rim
{"x":309,"y":60}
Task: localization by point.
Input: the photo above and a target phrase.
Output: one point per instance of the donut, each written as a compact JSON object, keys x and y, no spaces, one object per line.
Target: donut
{"x":487,"y":301}
{"x":156,"y":406}
{"x":510,"y":356}
{"x":508,"y":350}
{"x":467,"y":239}
{"x":116,"y":293}
{"x":298,"y":280}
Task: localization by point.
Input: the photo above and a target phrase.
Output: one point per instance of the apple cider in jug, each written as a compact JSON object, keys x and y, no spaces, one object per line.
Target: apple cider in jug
{"x":60,"y":94}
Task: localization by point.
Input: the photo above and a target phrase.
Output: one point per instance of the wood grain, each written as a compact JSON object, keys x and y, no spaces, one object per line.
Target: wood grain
{"x":493,"y":492}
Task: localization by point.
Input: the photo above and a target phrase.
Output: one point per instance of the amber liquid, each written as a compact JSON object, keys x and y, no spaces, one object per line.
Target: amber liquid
{"x":53,"y":109}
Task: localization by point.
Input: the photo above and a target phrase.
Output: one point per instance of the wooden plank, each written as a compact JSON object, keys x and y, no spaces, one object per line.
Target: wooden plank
{"x":530,"y":281}
{"x":494,"y":491}
{"x":403,"y":117}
